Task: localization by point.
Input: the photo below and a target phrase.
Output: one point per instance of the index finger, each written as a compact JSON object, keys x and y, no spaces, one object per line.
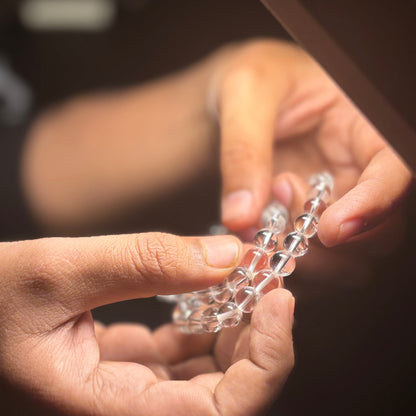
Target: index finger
{"x":249,"y":99}
{"x":66,"y":276}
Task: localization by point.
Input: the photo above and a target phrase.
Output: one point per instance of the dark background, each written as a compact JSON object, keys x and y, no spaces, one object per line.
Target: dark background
{"x":355,"y":349}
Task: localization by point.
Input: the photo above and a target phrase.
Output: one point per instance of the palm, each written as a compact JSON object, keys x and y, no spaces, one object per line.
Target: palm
{"x":109,"y":367}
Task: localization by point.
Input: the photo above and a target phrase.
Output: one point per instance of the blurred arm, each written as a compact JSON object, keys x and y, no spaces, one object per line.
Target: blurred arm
{"x":94,"y":155}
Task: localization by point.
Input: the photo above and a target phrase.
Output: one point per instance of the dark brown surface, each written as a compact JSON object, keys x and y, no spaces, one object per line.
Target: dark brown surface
{"x":369,"y":48}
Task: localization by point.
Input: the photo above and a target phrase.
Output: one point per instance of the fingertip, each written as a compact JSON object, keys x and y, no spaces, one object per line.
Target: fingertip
{"x":278,"y":303}
{"x":237,"y":208}
{"x":241,"y":209}
{"x":290,"y":189}
{"x":222,"y":251}
{"x":282,"y":191}
{"x":328,"y":227}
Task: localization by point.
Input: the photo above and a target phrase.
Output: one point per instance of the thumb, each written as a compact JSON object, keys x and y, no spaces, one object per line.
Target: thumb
{"x":249,"y":385}
{"x":71,"y":275}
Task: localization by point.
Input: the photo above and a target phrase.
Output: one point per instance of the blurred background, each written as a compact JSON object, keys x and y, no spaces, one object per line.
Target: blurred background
{"x":355,"y":348}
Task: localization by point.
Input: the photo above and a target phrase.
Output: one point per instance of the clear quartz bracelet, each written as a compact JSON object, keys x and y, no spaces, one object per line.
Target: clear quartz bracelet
{"x":262,"y":269}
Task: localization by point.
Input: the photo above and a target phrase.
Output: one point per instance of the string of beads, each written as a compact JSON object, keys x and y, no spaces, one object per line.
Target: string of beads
{"x":262,"y":269}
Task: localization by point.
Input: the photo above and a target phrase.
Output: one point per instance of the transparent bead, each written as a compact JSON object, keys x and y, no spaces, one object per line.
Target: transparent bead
{"x":181,"y":313}
{"x":321,"y":192}
{"x":218,"y":230}
{"x":275,"y":216}
{"x":203,"y":296}
{"x":255,"y":259}
{"x":194,"y":322}
{"x":246,"y":299}
{"x":321,"y":180}
{"x":264,"y":281}
{"x":221,"y":292}
{"x":296,"y":244}
{"x":282,"y":263}
{"x":266,"y":239}
{"x":306,"y":224}
{"x":239,"y":277}
{"x":170,"y":298}
{"x":209,"y":320}
{"x":229,"y":315}
{"x":316,"y":207}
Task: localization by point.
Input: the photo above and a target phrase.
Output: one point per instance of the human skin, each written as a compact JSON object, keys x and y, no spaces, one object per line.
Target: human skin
{"x":280,"y":114}
{"x":277,"y":116}
{"x":54,"y":360}
{"x":265,"y":96}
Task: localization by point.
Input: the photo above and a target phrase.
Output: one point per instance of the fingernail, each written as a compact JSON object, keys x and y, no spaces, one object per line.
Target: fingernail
{"x":282,"y":191}
{"x":237,"y":204}
{"x":349,"y":228}
{"x":221,"y":251}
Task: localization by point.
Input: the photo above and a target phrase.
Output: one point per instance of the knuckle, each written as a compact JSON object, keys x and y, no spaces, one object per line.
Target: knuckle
{"x":157,"y":254}
{"x":245,"y":74}
{"x":251,"y":63}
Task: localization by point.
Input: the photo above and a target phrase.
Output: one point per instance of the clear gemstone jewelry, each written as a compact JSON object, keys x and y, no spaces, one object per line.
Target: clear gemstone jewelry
{"x":261,"y":270}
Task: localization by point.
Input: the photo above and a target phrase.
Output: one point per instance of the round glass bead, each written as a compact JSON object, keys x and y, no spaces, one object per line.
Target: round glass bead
{"x":229,"y":315}
{"x":181,"y":313}
{"x":275,"y":216}
{"x":266,"y":239}
{"x":306,"y":224}
{"x":170,"y":298}
{"x":282,"y":263}
{"x":221,"y":292}
{"x":316,"y":207}
{"x":194,"y":322}
{"x":264,"y":281}
{"x":209,"y":320}
{"x":296,"y":244}
{"x":246,"y":299}
{"x":239,"y":277}
{"x":255,"y":259}
{"x":203,"y":296}
{"x":322,"y":180}
{"x":321,"y":192}
{"x":218,"y":230}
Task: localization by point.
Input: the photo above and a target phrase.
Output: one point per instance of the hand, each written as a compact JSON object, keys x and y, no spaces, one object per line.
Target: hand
{"x":279,"y":112}
{"x":273,"y":104}
{"x":53,"y":361}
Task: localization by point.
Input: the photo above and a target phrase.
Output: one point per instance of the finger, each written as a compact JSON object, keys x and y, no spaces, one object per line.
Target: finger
{"x":290,"y":190}
{"x":176,"y":346}
{"x":208,"y":380}
{"x":228,"y":344}
{"x":99,"y":329}
{"x":249,"y":385}
{"x":68,"y":276}
{"x":133,"y":343}
{"x":129,"y":342}
{"x":249,"y":99}
{"x":194,"y":367}
{"x":380,"y":188}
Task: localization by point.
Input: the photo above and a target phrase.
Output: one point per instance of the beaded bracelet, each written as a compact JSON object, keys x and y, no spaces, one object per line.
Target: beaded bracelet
{"x":223,"y":305}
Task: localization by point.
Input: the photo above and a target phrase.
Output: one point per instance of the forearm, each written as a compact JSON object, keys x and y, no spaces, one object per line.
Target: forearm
{"x":86,"y":160}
